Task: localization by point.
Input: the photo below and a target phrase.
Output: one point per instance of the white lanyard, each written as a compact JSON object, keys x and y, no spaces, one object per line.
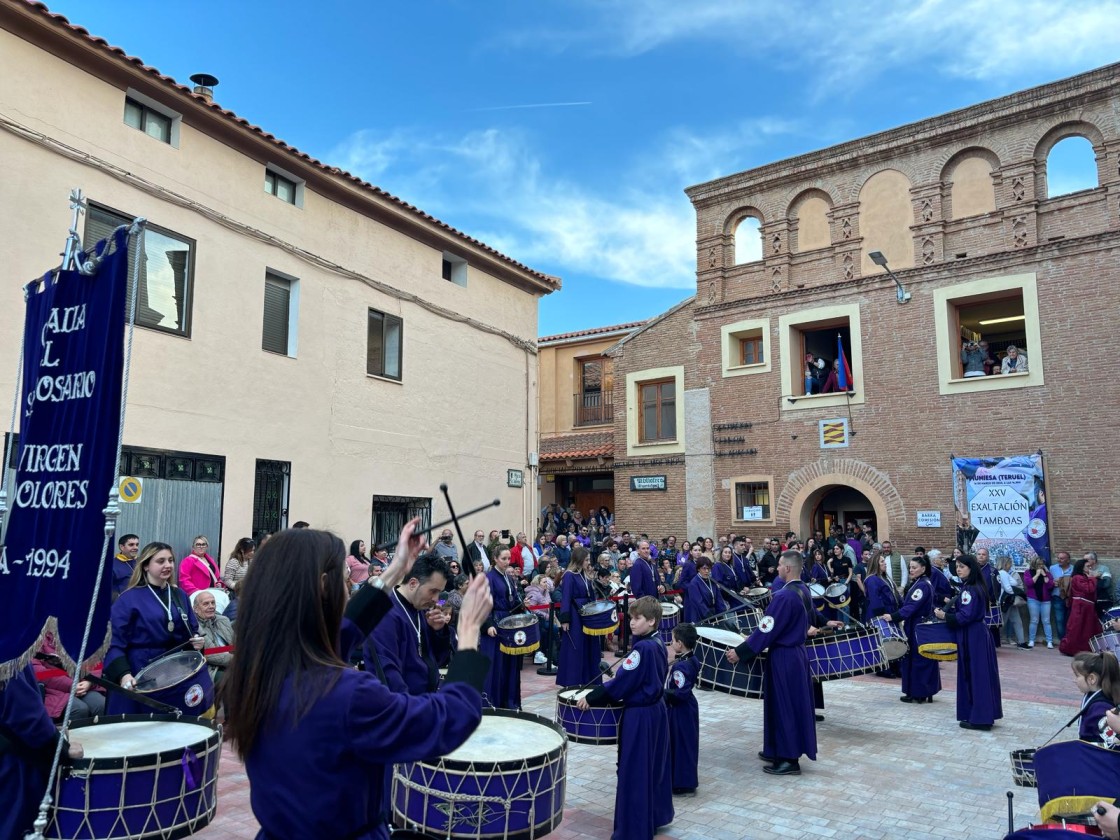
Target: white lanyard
{"x":167,"y":607}
{"x":419,"y":642}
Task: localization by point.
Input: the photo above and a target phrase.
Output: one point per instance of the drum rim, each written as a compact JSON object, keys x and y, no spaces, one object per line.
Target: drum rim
{"x":199,"y":665}
{"x":702,"y":637}
{"x":524,"y":620}
{"x":664,"y":610}
{"x":586,"y":610}
{"x":561,"y":700}
{"x":145,"y":759}
{"x":543,"y":760}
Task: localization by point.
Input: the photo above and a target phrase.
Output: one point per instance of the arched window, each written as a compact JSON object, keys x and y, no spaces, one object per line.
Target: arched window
{"x":1071,"y":166}
{"x":748,"y":241}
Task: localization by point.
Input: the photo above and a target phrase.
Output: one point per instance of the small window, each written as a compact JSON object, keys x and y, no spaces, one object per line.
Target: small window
{"x":748,"y":241}
{"x":593,"y":403}
{"x":283,"y":188}
{"x":745,"y":347}
{"x":1071,"y":167}
{"x":278,"y":335}
{"x":750,"y":350}
{"x":147,"y":119}
{"x":165,"y":283}
{"x":826,"y":349}
{"x":752,"y":501}
{"x":383,"y":345}
{"x":454,"y":269}
{"x":658,"y":405}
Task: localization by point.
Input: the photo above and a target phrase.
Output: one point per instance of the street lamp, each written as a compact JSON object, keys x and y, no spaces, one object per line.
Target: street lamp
{"x":880,"y":260}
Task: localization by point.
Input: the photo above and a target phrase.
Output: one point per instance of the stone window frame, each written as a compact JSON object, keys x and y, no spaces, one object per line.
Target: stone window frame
{"x":730,"y":336}
{"x":947,"y":343}
{"x":791,"y":358}
{"x":634,"y":380}
{"x":755,"y":478}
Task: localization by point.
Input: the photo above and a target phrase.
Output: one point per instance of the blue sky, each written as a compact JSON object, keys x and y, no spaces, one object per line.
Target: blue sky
{"x":563,"y":132}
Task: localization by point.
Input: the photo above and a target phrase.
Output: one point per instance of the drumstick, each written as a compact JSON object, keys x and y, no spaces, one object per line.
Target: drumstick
{"x":608,"y":670}
{"x":1010,"y":813}
{"x":455,"y":519}
{"x":1066,"y":726}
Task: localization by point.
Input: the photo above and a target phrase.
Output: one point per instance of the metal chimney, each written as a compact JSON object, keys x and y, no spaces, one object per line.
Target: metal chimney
{"x":204,"y":85}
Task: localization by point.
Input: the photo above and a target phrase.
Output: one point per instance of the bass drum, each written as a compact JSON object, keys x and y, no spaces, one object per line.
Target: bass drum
{"x":743,"y":679}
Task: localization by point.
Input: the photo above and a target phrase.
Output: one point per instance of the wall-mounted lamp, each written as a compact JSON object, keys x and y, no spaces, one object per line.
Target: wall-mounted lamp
{"x":880,"y":260}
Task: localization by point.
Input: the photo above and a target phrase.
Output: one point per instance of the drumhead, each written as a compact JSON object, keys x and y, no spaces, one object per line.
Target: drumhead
{"x":836,"y":590}
{"x":513,"y":622}
{"x":574,"y":695}
{"x":816,"y":590}
{"x":720,"y":636}
{"x":137,"y":737}
{"x":169,"y":670}
{"x":596,"y":607}
{"x":500,"y":738}
{"x":668,"y":610}
{"x":758,"y":592}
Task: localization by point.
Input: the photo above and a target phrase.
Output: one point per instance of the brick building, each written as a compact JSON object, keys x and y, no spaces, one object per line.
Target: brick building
{"x":712,"y":394}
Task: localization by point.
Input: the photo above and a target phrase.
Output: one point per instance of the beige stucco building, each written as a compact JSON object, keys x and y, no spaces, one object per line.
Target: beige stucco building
{"x":308,"y":343}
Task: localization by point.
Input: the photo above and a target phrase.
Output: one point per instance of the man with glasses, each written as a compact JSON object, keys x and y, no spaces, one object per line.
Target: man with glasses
{"x":477,"y":551}
{"x":446,"y":547}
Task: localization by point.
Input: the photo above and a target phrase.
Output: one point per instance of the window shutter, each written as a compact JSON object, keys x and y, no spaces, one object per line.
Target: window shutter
{"x":99,"y":225}
{"x":277,"y":309}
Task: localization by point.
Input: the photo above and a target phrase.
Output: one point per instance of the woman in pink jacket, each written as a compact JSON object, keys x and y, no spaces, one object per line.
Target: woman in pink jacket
{"x":198,"y":570}
{"x":89,"y":701}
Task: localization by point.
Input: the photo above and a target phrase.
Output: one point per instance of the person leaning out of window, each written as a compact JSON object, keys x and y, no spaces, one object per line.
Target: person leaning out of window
{"x":1014,"y":362}
{"x":972,"y":359}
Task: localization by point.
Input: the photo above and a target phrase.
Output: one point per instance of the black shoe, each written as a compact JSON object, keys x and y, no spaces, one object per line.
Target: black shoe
{"x":906,"y":698}
{"x":684,"y":791}
{"x":818,"y":718}
{"x":766,"y":757}
{"x":982,"y":727}
{"x":784,"y":768}
{"x":1023,"y":646}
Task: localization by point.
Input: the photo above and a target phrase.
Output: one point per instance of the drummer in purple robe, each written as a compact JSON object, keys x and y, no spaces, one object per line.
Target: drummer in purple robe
{"x":704,"y":599}
{"x":149,"y":619}
{"x":503,"y":687}
{"x":580,"y":653}
{"x":644,"y":579}
{"x":921,"y":678}
{"x":745,"y":578}
{"x":789,"y":730}
{"x":403,"y":643}
{"x":643,"y":800}
{"x":684,"y":712}
{"x":883,"y":599}
{"x":28,"y":741}
{"x":979,"y":703}
{"x":128,"y":547}
{"x":723,"y":570}
{"x":316,"y":736}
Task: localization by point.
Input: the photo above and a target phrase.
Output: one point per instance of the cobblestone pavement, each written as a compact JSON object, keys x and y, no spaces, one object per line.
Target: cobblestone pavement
{"x":885,"y":769}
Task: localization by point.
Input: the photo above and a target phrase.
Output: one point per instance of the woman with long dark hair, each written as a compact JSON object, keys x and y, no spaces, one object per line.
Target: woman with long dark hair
{"x":979,"y":704}
{"x":921,"y":679}
{"x":579,"y":652}
{"x":318,"y":738}
{"x":357,"y":564}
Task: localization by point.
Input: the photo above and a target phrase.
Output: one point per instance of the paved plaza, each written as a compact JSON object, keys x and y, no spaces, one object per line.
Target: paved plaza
{"x":885,"y":769}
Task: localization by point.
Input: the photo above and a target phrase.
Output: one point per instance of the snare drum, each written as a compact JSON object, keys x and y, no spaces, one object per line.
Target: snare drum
{"x":994,"y":616}
{"x":837,"y":596}
{"x":599,"y":618}
{"x":518,"y":634}
{"x":817,"y":591}
{"x":598,"y":725}
{"x":846,"y":653}
{"x":891,"y":638}
{"x":1106,"y":641}
{"x":142,"y":776}
{"x":670,"y":618}
{"x":507,"y":780}
{"x":1022,"y":768}
{"x":742,"y":680}
{"x":180,"y":680}
{"x":935,"y":641}
{"x":759,"y":596}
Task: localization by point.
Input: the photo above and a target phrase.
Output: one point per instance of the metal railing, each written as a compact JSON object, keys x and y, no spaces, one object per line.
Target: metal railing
{"x":593,"y":409}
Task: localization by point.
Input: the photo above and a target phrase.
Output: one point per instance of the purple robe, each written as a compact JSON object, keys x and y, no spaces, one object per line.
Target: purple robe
{"x":122,"y":573}
{"x":704,"y":600}
{"x":687,"y":575}
{"x":26,"y":762}
{"x":503,"y":687}
{"x":140,"y":636}
{"x":402,"y":644}
{"x":643,"y":799}
{"x":978,"y":691}
{"x":643,"y":579}
{"x":920,"y":676}
{"x":724,"y":575}
{"x":789,"y":728}
{"x":684,"y":720}
{"x":323,"y":776}
{"x":1093,"y":708}
{"x":579,"y":652}
{"x":745,"y":577}
{"x":881,"y":596}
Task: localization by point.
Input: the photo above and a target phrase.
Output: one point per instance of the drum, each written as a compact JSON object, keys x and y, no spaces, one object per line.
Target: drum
{"x":1055,"y":831}
{"x":506,"y":781}
{"x":1022,"y":768}
{"x":599,"y":618}
{"x":846,"y":653}
{"x":142,"y":776}
{"x":670,"y":618}
{"x":742,"y":680}
{"x":742,"y":619}
{"x":994,"y":616}
{"x":759,"y":596}
{"x":598,"y":725}
{"x":837,"y":596}
{"x":181,"y":680}
{"x":817,"y":591}
{"x":1106,"y":641}
{"x":1113,"y":612}
{"x":935,"y":641}
{"x":518,"y":634}
{"x":891,"y":638}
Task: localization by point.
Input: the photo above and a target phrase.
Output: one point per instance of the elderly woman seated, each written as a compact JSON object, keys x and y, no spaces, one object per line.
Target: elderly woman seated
{"x":216,"y":630}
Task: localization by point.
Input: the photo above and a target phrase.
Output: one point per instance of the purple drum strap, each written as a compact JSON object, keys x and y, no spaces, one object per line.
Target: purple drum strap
{"x":190,"y":769}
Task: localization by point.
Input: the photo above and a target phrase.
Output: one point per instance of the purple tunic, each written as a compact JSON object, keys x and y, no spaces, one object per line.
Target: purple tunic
{"x":789,"y":729}
{"x":122,"y":573}
{"x":503,"y":687}
{"x":1093,"y":708}
{"x":397,"y":642}
{"x":704,"y":600}
{"x":920,"y":676}
{"x":26,"y":763}
{"x":743,"y":573}
{"x":688,"y":574}
{"x":579,"y":653}
{"x":323,"y":776}
{"x":724,"y":575}
{"x":978,"y":691}
{"x":643,"y":799}
{"x":140,"y":636}
{"x":684,"y":720}
{"x":643,"y":579}
{"x":881,"y":596}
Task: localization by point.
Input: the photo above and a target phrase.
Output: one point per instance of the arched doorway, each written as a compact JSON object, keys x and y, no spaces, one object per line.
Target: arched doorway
{"x":838,"y":504}
{"x":841,"y":486}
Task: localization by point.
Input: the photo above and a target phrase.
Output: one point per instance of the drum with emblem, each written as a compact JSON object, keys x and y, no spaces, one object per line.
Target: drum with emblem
{"x":837,"y":596}
{"x":181,"y":680}
{"x":599,"y":618}
{"x":744,"y":679}
{"x":518,"y":634}
{"x":670,"y":618}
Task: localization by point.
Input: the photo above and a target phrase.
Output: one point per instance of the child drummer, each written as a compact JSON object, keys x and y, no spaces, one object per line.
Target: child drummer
{"x":684,"y":713}
{"x":643,"y":747}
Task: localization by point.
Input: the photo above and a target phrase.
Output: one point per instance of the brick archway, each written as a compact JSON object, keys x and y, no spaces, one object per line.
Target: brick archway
{"x":809,"y":484}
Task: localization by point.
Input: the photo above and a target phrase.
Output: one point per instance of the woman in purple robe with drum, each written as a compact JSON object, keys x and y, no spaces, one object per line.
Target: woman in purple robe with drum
{"x":503,"y":688}
{"x":979,"y":704}
{"x":318,"y":737}
{"x":151,"y":617}
{"x":921,"y":679}
{"x":579,"y":652}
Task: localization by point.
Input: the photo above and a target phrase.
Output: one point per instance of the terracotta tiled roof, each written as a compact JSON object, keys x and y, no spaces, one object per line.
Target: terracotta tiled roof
{"x":583,"y":445}
{"x":593,"y":331}
{"x":182,"y":90}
